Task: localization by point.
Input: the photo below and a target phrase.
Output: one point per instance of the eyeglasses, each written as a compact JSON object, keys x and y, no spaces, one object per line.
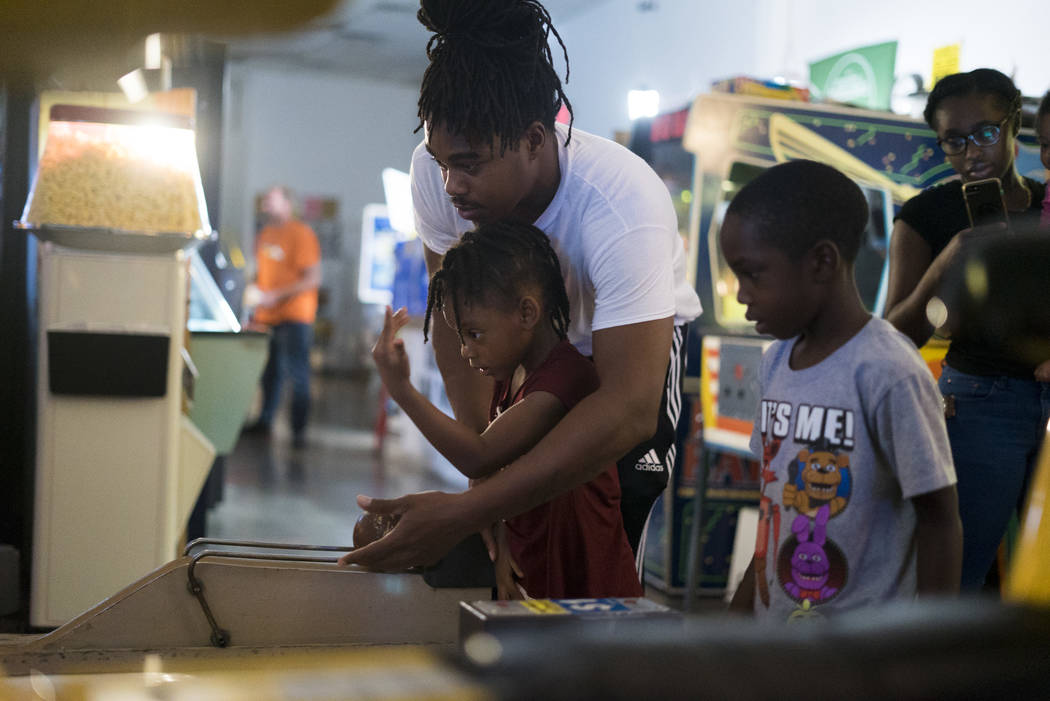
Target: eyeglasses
{"x":985,"y":135}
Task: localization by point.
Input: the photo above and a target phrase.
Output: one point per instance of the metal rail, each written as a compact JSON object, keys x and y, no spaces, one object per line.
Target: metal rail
{"x":220,"y":637}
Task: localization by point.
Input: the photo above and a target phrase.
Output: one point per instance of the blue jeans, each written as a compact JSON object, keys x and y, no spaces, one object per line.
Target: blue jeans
{"x":289,"y":357}
{"x":998,"y":427}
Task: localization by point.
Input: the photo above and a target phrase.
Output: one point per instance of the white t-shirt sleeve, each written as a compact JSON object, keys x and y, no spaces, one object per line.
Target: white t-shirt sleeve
{"x":630,"y":266}
{"x":434,"y":216}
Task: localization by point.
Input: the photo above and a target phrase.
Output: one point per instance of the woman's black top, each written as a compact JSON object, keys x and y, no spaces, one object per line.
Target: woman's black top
{"x":937,"y":215}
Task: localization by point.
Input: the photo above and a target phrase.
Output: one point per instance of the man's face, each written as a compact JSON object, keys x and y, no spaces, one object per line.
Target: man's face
{"x":483,"y":185}
{"x":276,"y":206}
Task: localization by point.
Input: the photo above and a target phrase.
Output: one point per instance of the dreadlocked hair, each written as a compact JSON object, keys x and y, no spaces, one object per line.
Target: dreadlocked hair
{"x":491,"y":71}
{"x":496,"y":264}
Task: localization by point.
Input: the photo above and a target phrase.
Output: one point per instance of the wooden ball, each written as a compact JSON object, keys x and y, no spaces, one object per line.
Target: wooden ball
{"x":371,"y":527}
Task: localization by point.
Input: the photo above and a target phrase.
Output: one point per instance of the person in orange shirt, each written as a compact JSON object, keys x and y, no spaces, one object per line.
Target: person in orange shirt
{"x":288,"y":275}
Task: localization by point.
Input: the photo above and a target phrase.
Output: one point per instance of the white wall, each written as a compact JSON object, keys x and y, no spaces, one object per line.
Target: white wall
{"x":678,"y":48}
{"x":681,"y":46}
{"x":1009,"y":35}
{"x":321,"y":134}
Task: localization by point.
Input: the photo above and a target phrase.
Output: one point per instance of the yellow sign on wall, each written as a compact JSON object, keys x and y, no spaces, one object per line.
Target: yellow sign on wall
{"x":945,"y":62}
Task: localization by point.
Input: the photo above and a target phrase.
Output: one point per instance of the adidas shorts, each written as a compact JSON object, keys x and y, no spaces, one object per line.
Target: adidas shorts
{"x":644,"y":471}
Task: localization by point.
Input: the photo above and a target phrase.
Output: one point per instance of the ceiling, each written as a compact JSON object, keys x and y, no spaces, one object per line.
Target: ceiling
{"x":375,"y":39}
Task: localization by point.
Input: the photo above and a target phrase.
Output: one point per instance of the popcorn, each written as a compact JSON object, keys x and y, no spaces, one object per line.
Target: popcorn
{"x":117,"y":176}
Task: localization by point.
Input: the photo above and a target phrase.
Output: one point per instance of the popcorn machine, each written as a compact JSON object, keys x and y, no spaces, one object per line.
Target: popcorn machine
{"x":118,"y":205}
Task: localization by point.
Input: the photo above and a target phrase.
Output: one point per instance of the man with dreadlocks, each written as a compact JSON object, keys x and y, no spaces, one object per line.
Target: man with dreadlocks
{"x":492,"y":151}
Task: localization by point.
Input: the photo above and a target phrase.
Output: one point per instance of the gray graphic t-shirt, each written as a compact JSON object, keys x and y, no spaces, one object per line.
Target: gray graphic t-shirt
{"x":844,"y":445}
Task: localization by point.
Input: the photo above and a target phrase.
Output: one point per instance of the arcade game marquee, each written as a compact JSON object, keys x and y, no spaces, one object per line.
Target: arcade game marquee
{"x":706,"y":154}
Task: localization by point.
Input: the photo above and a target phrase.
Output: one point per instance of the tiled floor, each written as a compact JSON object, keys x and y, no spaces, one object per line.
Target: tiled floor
{"x":275,"y":493}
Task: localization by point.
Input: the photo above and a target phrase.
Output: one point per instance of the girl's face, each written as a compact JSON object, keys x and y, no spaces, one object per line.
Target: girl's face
{"x":492,"y":338}
{"x":966,"y":116}
{"x":1042,"y":131}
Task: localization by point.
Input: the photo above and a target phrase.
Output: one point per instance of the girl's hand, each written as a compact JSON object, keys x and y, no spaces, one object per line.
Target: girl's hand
{"x":389,"y":352}
{"x":508,"y":574}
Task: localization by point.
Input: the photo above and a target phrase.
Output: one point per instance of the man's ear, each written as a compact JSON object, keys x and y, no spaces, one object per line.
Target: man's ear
{"x":824,"y":260}
{"x":530,"y":311}
{"x":535,"y":138}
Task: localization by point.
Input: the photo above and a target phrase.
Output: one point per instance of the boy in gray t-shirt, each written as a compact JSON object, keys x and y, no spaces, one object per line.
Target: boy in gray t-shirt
{"x":858,"y":501}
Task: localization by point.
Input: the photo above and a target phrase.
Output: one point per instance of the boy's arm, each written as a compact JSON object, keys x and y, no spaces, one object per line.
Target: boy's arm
{"x":631,"y":361}
{"x":939,"y":535}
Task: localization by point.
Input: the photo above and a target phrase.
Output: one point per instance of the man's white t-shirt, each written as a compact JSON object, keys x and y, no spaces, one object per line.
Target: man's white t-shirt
{"x":611,"y":223}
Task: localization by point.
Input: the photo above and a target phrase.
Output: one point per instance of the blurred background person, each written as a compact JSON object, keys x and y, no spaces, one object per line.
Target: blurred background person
{"x":288,"y":275}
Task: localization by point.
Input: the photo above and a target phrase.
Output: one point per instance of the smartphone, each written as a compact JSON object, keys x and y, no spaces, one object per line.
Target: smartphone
{"x":984,"y":202}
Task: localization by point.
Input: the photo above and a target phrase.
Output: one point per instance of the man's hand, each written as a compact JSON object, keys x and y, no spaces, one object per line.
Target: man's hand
{"x":389,"y":352}
{"x":430,"y":525}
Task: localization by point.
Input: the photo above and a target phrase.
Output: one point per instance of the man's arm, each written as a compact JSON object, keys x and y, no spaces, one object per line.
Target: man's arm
{"x":939,"y":534}
{"x":631,"y":361}
{"x":468,"y":391}
{"x":309,"y":279}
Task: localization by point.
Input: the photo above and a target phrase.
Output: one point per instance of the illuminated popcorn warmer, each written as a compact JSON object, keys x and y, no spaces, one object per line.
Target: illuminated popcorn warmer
{"x":121,"y":170}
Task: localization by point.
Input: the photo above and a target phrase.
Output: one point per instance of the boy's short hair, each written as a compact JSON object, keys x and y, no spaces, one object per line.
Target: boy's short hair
{"x":798,"y":203}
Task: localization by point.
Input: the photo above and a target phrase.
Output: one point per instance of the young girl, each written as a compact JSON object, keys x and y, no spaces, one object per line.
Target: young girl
{"x":500,"y":289}
{"x":996,"y":407}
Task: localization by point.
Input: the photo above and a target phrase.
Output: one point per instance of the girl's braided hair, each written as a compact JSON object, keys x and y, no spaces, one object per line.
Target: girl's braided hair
{"x":495,"y":264}
{"x":491,"y":71}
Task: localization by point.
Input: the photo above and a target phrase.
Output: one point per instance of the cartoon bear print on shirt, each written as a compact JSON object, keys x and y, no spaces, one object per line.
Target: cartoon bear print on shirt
{"x":820,"y":476}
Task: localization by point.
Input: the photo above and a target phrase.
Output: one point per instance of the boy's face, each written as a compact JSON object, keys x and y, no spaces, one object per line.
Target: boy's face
{"x":491,"y":338}
{"x":483,"y":185}
{"x":779,"y":297}
{"x":1042,"y":131}
{"x":963,"y":115}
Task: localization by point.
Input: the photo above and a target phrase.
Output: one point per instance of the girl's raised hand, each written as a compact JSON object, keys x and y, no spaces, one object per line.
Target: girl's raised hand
{"x":389,"y":352}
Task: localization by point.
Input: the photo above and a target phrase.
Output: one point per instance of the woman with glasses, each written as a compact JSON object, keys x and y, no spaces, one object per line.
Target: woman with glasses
{"x":995,"y":409}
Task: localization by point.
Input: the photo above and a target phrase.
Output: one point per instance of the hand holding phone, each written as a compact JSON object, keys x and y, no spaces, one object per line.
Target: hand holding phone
{"x":985,"y":204}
